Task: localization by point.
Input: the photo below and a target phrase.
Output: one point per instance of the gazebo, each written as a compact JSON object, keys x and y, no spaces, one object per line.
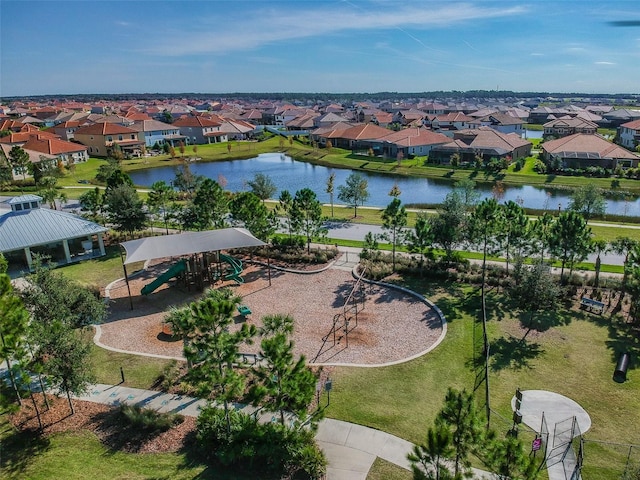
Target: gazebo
{"x":64,"y":237}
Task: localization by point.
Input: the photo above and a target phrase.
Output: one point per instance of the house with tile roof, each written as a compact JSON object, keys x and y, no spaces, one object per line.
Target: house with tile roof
{"x":565,"y":126}
{"x":501,"y":122}
{"x":66,"y":153}
{"x":154,"y":131}
{"x":581,"y":150}
{"x":629,"y":134}
{"x":200,"y":130}
{"x":102,"y":138}
{"x":408,"y":142}
{"x":483,"y":141}
{"x":65,"y":238}
{"x":358,"y":137}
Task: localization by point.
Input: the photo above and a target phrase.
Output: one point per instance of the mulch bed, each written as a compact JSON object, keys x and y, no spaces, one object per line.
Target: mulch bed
{"x":104,"y":421}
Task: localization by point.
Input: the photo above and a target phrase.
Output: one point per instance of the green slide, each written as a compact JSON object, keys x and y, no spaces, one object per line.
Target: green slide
{"x":236,"y":265}
{"x":175,"y":270}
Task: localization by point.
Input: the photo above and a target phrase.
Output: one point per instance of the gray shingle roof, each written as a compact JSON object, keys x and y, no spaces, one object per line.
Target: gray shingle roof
{"x":40,"y":226}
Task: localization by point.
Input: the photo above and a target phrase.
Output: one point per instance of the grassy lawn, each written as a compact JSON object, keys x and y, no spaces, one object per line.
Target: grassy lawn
{"x":81,"y":455}
{"x":139,"y":371}
{"x":383,"y":470}
{"x":575,"y":357}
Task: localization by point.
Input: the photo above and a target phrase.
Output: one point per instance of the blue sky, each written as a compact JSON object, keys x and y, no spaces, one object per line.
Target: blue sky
{"x":216,"y":46}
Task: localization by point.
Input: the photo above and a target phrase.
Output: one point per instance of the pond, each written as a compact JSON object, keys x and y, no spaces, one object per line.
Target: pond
{"x":293,"y":175}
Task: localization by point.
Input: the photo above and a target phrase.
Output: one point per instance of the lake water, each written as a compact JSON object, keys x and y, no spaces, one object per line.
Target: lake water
{"x":293,"y":175}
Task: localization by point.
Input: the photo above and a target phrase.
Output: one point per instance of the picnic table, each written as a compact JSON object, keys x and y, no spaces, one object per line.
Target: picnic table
{"x":592,"y":305}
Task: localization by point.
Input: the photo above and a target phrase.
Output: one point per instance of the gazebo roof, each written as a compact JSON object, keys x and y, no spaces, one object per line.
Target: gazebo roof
{"x":188,"y":243}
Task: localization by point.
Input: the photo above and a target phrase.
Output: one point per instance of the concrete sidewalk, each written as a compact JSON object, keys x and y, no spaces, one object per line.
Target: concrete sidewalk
{"x":350,"y":449}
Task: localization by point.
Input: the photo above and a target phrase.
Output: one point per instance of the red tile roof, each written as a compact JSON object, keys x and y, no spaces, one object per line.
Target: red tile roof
{"x":105,"y":128}
{"x":200,"y":121}
{"x":52,"y":146}
{"x":585,"y":143}
{"x":633,"y":125}
{"x":366,"y":131}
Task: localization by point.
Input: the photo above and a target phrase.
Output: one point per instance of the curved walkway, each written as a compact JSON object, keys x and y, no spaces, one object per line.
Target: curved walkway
{"x":350,"y":449}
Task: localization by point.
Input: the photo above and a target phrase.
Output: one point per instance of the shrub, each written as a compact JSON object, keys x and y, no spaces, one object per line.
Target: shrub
{"x":271,"y":446}
{"x":149,"y":420}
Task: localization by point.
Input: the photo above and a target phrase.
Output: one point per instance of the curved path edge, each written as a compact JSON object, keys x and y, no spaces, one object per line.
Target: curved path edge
{"x":354,"y":273}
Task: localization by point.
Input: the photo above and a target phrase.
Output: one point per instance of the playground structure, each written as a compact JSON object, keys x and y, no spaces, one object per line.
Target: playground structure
{"x":346,"y":321}
{"x":199,"y":269}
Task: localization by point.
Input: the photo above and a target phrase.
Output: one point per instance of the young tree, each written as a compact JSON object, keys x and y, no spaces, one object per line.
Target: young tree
{"x":421,"y":239}
{"x":285,"y":384}
{"x":186,"y":181}
{"x":247,"y":208}
{"x":508,"y":459}
{"x":306,"y":215}
{"x":570,"y":240}
{"x":262,"y":186}
{"x":460,"y":416}
{"x":330,"y":189}
{"x":285,"y":209}
{"x":13,"y":325}
{"x":588,"y":201}
{"x":19,"y":160}
{"x":49,"y":296}
{"x":355,"y":191}
{"x":535,"y":291}
{"x":91,"y":201}
{"x":540,"y":234}
{"x":48,"y":191}
{"x":213,"y":350}
{"x":395,"y":191}
{"x":394,"y":219}
{"x":599,"y":246}
{"x":624,"y":246}
{"x":159,"y":197}
{"x":448,"y":226}
{"x":467,"y":190}
{"x":63,"y":357}
{"x":514,"y":231}
{"x":210,"y":205}
{"x":429,"y":460}
{"x":125,"y":209}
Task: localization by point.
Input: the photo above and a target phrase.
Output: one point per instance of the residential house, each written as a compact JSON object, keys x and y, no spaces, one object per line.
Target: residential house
{"x":19,"y":173}
{"x":359,"y":137}
{"x":29,"y":229}
{"x":329,"y":132}
{"x":200,"y":130}
{"x":581,"y":150}
{"x":153,"y":131}
{"x":616,"y":118}
{"x":568,"y":126}
{"x":500,"y":122}
{"x":483,"y":141}
{"x":629,"y":134}
{"x":102,"y":138}
{"x":65,"y":130}
{"x":65,"y":153}
{"x":448,"y":123}
{"x":408,"y":142}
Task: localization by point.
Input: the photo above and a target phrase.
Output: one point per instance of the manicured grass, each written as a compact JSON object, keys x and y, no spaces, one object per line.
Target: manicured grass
{"x":139,"y":371}
{"x":383,"y":470}
{"x":575,"y":357}
{"x":80,"y":455}
{"x":97,"y":272}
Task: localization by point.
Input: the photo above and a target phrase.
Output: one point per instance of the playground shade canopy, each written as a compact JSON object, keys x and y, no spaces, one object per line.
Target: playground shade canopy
{"x":188,"y":243}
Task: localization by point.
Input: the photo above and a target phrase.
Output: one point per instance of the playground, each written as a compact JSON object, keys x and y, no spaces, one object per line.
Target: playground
{"x":384,"y":324}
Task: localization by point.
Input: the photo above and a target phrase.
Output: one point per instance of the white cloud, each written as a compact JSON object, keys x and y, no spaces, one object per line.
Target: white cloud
{"x":535,"y":54}
{"x":605,"y":63}
{"x":271,"y":26}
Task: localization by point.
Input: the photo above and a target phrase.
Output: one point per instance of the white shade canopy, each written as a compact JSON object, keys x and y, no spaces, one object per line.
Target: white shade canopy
{"x":188,"y":243}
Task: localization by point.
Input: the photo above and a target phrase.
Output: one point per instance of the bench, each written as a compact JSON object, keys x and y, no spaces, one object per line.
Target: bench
{"x":591,"y":304}
{"x":244,"y":310}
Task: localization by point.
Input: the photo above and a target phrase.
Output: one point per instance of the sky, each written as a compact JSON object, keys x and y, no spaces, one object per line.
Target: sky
{"x":330,"y":46}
